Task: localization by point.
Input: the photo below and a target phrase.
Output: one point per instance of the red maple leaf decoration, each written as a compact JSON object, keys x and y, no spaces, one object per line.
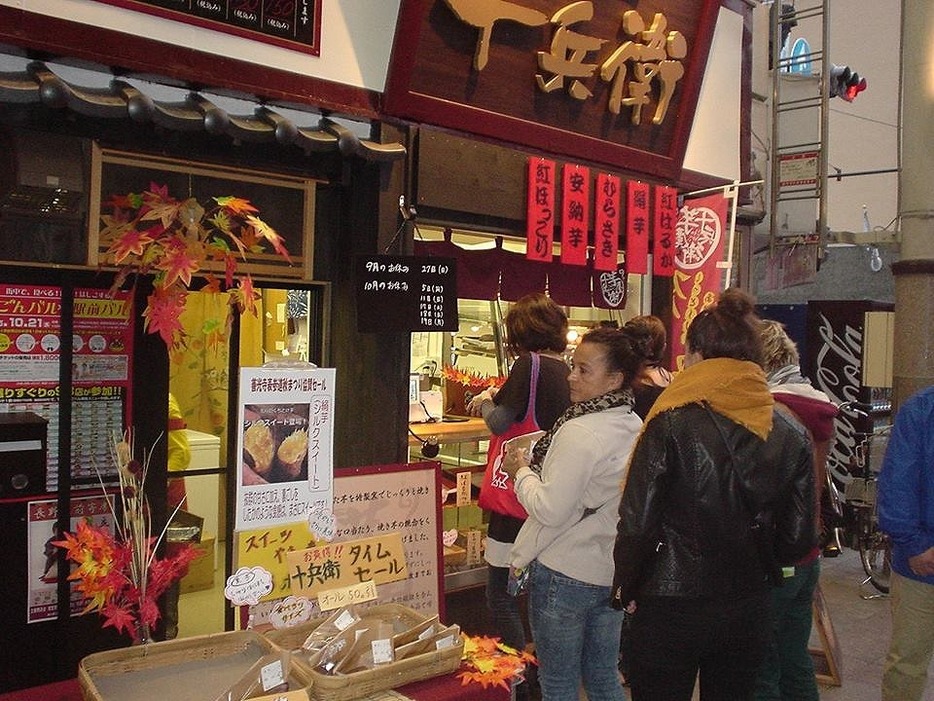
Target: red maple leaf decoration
{"x":179,"y":263}
{"x":162,"y":314}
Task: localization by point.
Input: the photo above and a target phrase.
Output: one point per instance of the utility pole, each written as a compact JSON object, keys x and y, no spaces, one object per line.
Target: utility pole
{"x":913,"y":362}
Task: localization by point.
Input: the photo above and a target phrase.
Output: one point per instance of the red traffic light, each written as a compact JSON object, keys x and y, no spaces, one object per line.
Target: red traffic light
{"x":845,"y":83}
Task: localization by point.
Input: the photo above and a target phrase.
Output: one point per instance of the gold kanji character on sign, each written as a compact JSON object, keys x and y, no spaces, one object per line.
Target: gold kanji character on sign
{"x":483,"y":14}
{"x":568,"y":49}
{"x":657,"y":57}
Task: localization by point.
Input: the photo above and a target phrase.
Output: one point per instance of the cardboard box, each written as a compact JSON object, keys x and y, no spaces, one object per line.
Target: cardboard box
{"x":201,"y":571}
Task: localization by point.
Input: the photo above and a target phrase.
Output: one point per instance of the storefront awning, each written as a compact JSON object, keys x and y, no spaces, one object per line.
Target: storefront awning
{"x":38,"y":84}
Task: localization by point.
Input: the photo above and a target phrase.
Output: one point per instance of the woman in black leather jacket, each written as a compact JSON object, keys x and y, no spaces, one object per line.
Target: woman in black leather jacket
{"x":718,"y":499}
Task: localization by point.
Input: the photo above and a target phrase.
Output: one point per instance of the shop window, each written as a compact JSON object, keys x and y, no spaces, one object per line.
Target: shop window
{"x":284,"y":203}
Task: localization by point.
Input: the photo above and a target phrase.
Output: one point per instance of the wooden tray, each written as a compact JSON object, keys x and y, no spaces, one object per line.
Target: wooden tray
{"x":345,"y":687}
{"x":200,"y":668}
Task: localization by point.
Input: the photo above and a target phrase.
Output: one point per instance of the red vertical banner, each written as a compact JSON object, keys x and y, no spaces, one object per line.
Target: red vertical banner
{"x":540,"y":209}
{"x":637,"y":227}
{"x":700,"y":235}
{"x":666,"y":216}
{"x":606,"y":223}
{"x":575,"y":214}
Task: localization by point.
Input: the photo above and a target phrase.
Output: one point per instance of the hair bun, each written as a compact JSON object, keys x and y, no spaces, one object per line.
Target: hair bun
{"x":734,"y":302}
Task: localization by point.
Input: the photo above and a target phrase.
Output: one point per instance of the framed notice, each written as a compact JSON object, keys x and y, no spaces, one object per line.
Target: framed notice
{"x":383,"y":501}
{"x":293,"y":24}
{"x":405,"y":293}
{"x":285,"y":443}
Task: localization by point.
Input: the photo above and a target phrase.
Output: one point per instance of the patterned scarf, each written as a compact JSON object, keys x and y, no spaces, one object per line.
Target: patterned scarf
{"x":618,"y":397}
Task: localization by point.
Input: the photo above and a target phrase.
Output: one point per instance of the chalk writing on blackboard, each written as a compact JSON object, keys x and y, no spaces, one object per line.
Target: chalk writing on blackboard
{"x":406,"y":293}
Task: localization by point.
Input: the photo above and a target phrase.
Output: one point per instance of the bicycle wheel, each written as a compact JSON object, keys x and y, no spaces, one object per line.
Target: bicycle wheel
{"x":875,"y":553}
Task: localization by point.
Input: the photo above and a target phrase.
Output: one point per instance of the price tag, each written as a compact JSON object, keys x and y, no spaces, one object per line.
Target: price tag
{"x":345,"y":596}
{"x":272,"y":675}
{"x":463,"y":488}
{"x":344,"y":621}
{"x":444,"y":643}
{"x":382,"y":651}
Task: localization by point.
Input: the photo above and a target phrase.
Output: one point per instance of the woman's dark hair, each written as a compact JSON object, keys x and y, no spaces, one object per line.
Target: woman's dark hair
{"x":535,"y":323}
{"x":621,"y":353}
{"x":729,"y":329}
{"x":648,"y":334}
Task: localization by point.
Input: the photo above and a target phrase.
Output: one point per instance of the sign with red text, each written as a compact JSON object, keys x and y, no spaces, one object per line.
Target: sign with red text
{"x":379,"y":559}
{"x":540,"y":218}
{"x":663,"y":231}
{"x":606,"y":222}
{"x":575,"y":214}
{"x":42,"y":556}
{"x":102,"y":358}
{"x":637,"y":227}
{"x":368,"y":502}
{"x":285,"y":437}
{"x":700,"y":235}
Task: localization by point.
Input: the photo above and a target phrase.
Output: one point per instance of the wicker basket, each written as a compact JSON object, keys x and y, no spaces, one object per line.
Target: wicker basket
{"x":345,"y":687}
{"x":199,"y":668}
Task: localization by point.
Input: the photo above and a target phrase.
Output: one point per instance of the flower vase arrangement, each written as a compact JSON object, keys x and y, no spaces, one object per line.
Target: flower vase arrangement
{"x":119,"y":572}
{"x":154,"y":233}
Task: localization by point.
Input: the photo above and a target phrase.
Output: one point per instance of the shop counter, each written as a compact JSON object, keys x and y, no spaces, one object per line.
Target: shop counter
{"x":463,"y":430}
{"x":444,"y":688}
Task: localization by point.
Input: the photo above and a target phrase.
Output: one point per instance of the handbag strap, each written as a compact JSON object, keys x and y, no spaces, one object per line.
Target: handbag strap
{"x":533,"y":388}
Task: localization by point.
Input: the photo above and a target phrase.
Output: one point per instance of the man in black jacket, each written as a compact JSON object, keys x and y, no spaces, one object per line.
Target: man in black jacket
{"x":718,"y":498}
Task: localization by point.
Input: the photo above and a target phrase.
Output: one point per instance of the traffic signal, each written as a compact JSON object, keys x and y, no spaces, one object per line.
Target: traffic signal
{"x":845,"y":83}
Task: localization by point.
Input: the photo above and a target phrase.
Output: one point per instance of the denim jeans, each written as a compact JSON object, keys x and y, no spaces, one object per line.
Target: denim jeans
{"x":674,"y":639}
{"x":504,"y":608}
{"x":788,"y":671}
{"x":576,"y":637}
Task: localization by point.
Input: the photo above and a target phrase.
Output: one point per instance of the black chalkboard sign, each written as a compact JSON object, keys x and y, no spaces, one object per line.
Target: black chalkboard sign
{"x":294,"y":24}
{"x":405,"y":293}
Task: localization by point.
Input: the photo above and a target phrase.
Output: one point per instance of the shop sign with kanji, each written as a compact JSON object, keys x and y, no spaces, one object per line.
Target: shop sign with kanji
{"x":610,"y":81}
{"x":379,"y":559}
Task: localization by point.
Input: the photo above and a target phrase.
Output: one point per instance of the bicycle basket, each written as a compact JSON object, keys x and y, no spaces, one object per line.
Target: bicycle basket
{"x":860,"y":492}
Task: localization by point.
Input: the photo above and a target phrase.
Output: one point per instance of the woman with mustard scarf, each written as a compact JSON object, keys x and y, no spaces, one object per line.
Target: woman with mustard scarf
{"x":718,"y":498}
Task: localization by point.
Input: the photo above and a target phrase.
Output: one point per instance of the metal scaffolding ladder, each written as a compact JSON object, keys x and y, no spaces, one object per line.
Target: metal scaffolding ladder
{"x":799,"y":158}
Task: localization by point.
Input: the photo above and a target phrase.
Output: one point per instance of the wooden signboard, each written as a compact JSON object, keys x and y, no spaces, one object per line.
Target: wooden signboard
{"x":611,"y":82}
{"x":405,"y":293}
{"x":828,"y":663}
{"x":293,"y":24}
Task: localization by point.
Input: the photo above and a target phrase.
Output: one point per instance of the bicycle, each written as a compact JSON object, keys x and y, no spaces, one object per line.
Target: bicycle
{"x":855,"y":508}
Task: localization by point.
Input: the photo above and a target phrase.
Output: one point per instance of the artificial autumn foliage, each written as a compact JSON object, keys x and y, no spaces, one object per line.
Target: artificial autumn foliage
{"x":472,"y":380}
{"x":173,"y":240}
{"x":493,"y":663}
{"x":119,"y":573}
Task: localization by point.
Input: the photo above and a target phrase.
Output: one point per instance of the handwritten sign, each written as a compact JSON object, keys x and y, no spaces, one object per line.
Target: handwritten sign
{"x":291,"y":611}
{"x":367,"y":501}
{"x":248,"y":586}
{"x":464,"y":486}
{"x":405,"y":293}
{"x":345,"y":596}
{"x":380,"y":559}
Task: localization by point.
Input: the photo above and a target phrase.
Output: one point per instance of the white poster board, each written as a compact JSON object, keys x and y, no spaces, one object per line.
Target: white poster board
{"x":285,"y":436}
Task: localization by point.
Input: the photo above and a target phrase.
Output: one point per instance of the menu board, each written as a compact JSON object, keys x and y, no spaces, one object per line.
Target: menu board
{"x":406,"y":293}
{"x":294,"y":24}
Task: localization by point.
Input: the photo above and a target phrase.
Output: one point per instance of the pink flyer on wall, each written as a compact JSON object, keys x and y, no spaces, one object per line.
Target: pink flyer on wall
{"x":42,"y":571}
